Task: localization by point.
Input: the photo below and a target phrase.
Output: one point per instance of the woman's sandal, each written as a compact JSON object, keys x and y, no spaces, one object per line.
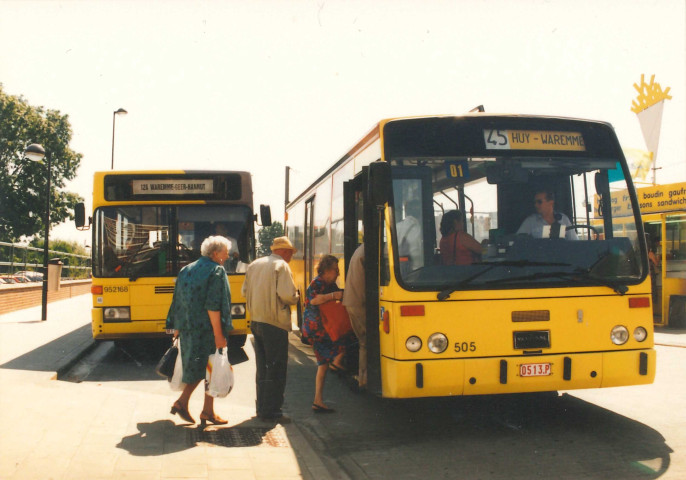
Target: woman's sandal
{"x":214,"y":419}
{"x":183,"y":412}
{"x":319,"y":409}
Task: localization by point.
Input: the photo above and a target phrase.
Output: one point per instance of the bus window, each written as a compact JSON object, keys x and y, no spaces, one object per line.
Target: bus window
{"x":675,"y":261}
{"x":584,"y":245}
{"x":136,"y":240}
{"x":132,"y":241}
{"x":196,"y":223}
{"x":322,"y":221}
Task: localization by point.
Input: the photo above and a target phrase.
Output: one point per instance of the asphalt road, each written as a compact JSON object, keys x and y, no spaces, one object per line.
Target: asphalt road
{"x":618,"y":433}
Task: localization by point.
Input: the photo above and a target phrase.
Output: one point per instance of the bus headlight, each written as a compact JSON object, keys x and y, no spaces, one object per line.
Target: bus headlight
{"x":238,"y":310}
{"x":413,"y":344}
{"x":116,"y":314}
{"x":438,"y":343}
{"x":640,"y":334}
{"x":619,"y":335}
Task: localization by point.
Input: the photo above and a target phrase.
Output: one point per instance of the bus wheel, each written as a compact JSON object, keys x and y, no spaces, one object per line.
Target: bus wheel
{"x":237,"y":341}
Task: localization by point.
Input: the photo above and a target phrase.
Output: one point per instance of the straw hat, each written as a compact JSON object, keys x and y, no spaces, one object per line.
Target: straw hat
{"x":282,"y":243}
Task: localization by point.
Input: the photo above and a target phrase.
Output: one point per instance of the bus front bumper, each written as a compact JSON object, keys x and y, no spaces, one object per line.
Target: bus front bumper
{"x":500,"y":375}
{"x":104,"y":330}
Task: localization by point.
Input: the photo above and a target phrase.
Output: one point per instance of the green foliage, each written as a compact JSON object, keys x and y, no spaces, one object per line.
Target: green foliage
{"x":266,"y":236}
{"x":67,"y":261}
{"x":23,"y":182}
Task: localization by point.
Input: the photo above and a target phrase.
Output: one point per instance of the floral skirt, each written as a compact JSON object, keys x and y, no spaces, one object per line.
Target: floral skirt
{"x":325,"y":350}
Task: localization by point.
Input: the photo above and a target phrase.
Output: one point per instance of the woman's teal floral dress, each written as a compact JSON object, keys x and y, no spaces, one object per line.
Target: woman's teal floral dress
{"x":201,"y":286}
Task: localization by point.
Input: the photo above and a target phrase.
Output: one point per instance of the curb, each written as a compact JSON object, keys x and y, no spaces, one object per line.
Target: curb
{"x":72,"y":360}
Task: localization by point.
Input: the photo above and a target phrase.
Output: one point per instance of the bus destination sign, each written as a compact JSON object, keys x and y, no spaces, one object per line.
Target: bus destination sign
{"x":173,"y":186}
{"x":533,"y":140}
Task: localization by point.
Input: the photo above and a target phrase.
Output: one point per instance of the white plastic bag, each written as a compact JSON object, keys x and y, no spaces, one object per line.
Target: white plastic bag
{"x":176,"y":383}
{"x":219,"y":374}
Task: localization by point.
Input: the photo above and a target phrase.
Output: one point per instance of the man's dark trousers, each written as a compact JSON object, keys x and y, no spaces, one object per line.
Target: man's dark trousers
{"x":271,"y":359}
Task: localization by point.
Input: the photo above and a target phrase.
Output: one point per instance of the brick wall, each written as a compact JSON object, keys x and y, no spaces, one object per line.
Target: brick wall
{"x":18,"y":296}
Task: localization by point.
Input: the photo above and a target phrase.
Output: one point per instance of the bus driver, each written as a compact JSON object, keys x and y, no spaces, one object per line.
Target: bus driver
{"x":546,"y":222}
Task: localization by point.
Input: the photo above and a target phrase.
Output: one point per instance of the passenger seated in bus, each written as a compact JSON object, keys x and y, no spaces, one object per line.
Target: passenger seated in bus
{"x":546,"y":222}
{"x":457,"y":246}
{"x":230,"y":265}
{"x":235,"y":265}
{"x":110,"y":260}
{"x":410,"y":238}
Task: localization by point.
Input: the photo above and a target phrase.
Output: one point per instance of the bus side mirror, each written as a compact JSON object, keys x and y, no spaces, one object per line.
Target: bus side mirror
{"x":80,"y":217}
{"x":379,"y":187}
{"x":265,"y":215}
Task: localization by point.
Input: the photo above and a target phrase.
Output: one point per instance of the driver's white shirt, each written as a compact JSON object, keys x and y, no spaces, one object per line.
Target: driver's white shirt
{"x":533,"y":225}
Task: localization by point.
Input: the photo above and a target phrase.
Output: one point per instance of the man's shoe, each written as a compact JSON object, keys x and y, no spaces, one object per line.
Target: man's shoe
{"x":282,"y":419}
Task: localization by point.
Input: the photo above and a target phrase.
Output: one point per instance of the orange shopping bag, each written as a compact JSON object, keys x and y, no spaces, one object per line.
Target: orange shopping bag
{"x":335,"y":319}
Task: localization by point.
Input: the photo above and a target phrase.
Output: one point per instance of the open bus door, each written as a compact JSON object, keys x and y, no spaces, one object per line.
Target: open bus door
{"x":364,"y":207}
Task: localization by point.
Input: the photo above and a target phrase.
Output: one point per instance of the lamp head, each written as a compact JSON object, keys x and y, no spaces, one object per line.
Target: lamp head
{"x":35,"y":152}
{"x":121,"y":111}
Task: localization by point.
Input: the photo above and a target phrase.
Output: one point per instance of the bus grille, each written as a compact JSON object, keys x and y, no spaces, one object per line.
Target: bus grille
{"x":164,"y":289}
{"x":531,"y":316}
{"x":531,"y":339}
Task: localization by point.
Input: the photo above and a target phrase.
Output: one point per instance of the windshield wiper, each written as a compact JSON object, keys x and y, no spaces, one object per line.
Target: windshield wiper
{"x":444,"y":294}
{"x":586,"y":276}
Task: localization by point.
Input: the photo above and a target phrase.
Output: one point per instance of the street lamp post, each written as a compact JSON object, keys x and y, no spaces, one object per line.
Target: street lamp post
{"x":36,"y":152}
{"x":121,"y":111}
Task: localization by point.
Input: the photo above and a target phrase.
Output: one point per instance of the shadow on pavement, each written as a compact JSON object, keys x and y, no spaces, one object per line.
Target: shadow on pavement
{"x":500,"y":436}
{"x":55,"y":354}
{"x":128,"y":360}
{"x":164,"y":437}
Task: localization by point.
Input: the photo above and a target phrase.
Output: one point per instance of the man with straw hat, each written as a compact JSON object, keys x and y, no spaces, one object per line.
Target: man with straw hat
{"x":269,"y":291}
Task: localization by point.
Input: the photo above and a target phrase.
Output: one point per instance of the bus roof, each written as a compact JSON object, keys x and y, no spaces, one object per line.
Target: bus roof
{"x":376,"y":132}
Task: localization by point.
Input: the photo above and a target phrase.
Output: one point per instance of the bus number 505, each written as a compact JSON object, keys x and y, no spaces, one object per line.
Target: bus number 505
{"x":465,"y":347}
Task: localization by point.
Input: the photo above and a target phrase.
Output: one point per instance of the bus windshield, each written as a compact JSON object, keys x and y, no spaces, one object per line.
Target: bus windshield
{"x":540,"y":216}
{"x":158,"y":240}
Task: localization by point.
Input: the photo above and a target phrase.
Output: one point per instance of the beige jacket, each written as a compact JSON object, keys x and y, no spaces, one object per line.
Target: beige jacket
{"x":269,"y":291}
{"x":355,"y":295}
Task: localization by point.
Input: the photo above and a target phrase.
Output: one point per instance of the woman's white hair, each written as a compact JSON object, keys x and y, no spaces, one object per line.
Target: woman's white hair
{"x":214,"y":244}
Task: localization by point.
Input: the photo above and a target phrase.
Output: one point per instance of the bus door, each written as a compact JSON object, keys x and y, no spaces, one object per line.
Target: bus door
{"x":674,"y":269}
{"x":363,"y":223}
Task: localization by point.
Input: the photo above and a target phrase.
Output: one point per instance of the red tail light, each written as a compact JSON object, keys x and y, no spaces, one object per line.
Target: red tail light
{"x":412,"y":311}
{"x":639,"y":302}
{"x":386,"y":322}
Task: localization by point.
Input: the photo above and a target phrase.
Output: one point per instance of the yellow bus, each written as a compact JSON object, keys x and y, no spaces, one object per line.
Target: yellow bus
{"x":146,"y":226}
{"x":568,"y":311}
{"x":663,"y":209}
{"x":663,"y":216}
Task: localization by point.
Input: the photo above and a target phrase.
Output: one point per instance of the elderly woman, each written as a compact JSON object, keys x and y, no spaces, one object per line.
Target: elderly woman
{"x":200,"y":315}
{"x":329,"y":354}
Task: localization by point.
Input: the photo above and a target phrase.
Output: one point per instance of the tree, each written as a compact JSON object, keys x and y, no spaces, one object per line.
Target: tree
{"x":23,"y":182}
{"x":266,"y":236}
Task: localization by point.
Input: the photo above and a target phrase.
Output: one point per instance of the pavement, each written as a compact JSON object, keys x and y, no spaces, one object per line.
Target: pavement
{"x":95,"y":430}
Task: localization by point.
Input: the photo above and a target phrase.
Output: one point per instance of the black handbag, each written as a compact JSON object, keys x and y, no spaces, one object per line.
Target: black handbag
{"x":165,"y":367}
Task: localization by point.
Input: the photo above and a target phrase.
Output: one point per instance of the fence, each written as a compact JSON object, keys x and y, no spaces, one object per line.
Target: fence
{"x":15,"y":257}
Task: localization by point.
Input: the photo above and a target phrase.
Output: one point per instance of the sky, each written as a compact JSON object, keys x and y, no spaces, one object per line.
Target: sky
{"x":261,"y":85}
